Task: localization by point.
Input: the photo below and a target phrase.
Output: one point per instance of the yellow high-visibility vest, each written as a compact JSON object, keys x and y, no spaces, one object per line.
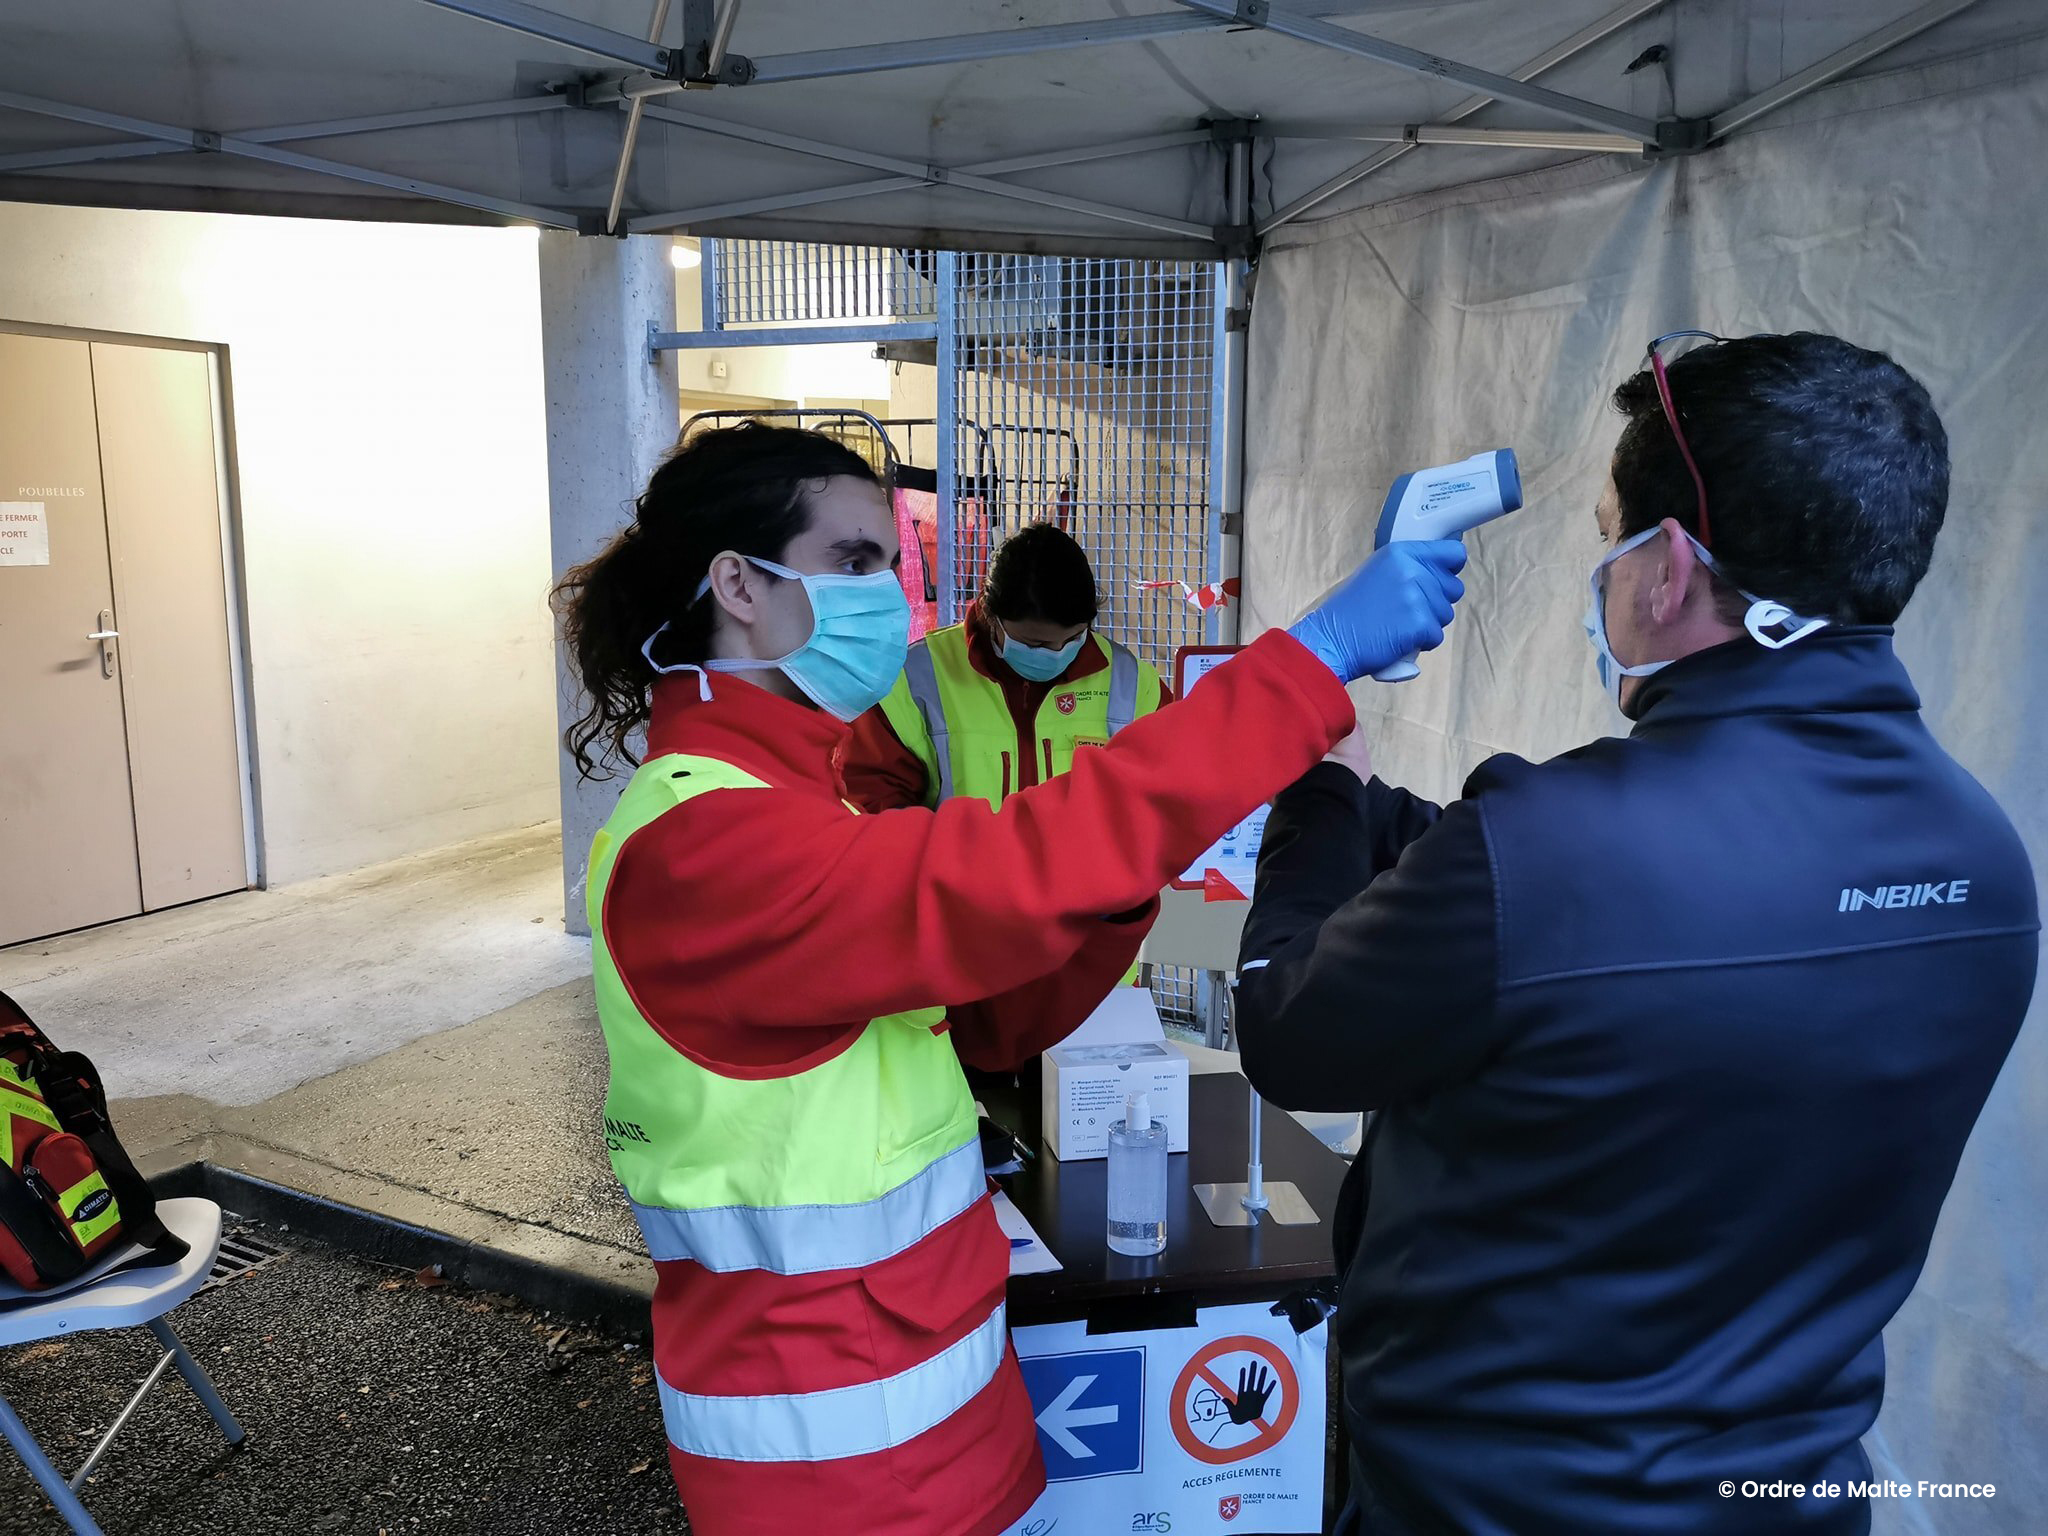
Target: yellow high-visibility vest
{"x":959,"y":724}
{"x":837,"y":1167}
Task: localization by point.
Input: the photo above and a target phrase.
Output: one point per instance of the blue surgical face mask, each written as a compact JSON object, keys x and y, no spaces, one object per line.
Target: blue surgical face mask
{"x":1038,"y":663}
{"x":1763,"y":615}
{"x":860,"y":636}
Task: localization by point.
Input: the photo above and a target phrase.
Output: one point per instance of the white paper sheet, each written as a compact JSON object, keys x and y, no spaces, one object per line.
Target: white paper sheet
{"x":1028,"y":1253}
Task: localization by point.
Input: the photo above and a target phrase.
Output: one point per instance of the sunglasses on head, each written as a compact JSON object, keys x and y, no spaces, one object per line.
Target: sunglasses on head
{"x":1657,"y":372}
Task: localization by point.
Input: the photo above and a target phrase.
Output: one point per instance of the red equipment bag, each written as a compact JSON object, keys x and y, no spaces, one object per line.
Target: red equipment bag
{"x":68,"y":1193}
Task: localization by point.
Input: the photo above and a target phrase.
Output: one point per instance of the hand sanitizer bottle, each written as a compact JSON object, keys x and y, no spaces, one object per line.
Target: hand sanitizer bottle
{"x":1137,"y":1180}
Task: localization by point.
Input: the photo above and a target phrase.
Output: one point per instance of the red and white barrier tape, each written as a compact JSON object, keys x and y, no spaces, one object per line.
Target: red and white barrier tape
{"x":1212,"y":594}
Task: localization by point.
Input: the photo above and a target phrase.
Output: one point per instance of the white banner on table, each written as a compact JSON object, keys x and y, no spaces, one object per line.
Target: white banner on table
{"x":1215,"y":1428}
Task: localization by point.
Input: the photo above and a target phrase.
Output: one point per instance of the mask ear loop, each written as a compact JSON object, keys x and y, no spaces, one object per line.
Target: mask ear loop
{"x":703,"y":677}
{"x":1764,"y":614}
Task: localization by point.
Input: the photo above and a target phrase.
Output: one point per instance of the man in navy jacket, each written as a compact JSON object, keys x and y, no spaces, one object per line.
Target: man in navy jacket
{"x":1674,"y":1041}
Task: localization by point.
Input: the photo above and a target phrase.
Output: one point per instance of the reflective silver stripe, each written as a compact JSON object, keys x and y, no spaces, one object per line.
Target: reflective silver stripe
{"x":808,"y":1239}
{"x":922,"y":675}
{"x":844,"y":1421}
{"x":1123,"y":687}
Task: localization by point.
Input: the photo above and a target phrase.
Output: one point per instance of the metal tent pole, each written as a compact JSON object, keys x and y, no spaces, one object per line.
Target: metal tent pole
{"x":945,"y":267}
{"x":1570,"y":48}
{"x":1254,"y":13}
{"x":569,"y":31}
{"x":249,"y":149}
{"x":936,"y":174}
{"x":1835,"y":65}
{"x":1227,"y":397}
{"x":631,"y":140}
{"x":654,"y":222}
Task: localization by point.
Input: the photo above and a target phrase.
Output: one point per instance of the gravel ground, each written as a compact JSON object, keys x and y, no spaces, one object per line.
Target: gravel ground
{"x":374,"y":1403}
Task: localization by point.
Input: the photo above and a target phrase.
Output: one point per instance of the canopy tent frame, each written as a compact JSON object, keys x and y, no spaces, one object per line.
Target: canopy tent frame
{"x":705,"y":61}
{"x":262,"y":144}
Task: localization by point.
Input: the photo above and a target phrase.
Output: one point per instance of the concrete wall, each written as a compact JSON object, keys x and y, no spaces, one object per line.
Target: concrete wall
{"x":612,"y":414}
{"x":386,"y":384}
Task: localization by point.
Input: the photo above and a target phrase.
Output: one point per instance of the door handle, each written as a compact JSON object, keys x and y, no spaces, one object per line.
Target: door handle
{"x":106,"y":635}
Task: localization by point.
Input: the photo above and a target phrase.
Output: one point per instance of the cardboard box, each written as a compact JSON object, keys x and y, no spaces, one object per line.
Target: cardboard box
{"x":1118,"y":1051}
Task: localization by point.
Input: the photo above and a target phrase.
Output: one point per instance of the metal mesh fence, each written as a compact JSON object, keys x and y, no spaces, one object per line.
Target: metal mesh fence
{"x":1175,"y":994}
{"x":1083,"y":394}
{"x":784,"y":282}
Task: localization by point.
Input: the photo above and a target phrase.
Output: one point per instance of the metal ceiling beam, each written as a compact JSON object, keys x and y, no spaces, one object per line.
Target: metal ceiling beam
{"x":656,"y":223}
{"x":1571,"y":47}
{"x":92,"y":117}
{"x":1093,"y":152}
{"x":424,"y":117}
{"x":876,"y":58}
{"x":934,"y":174}
{"x":89,"y":154}
{"x":1307,"y":29}
{"x":583,"y":36}
{"x":1579,"y":140}
{"x":434,"y":191}
{"x":783,"y":336}
{"x":284,"y":133}
{"x":1835,"y":65}
{"x":662,"y":223}
{"x":249,"y":148}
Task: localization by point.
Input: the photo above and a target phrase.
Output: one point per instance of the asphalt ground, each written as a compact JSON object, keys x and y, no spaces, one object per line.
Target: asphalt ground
{"x":376,"y":1401}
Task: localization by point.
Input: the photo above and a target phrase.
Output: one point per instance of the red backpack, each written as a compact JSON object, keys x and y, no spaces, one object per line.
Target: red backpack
{"x":68,"y":1193}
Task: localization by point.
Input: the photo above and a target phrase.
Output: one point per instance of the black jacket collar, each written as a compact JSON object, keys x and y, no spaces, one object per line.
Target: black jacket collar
{"x":1838,"y":670}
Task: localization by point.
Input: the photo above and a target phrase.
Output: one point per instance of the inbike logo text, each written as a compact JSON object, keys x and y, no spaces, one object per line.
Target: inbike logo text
{"x":1941,"y":893}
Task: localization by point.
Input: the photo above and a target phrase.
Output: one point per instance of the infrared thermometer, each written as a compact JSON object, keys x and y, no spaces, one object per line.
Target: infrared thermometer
{"x":1445,"y":503}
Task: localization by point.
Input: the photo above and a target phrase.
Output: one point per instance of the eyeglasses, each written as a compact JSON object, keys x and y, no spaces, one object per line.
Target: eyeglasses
{"x":1706,"y":537}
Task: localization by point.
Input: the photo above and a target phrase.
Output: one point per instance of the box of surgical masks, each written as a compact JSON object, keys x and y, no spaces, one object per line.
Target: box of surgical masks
{"x":1119,"y":1050}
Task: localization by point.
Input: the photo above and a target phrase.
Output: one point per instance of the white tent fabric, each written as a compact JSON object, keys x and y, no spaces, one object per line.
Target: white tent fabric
{"x":1902,"y":212}
{"x":241,"y":67}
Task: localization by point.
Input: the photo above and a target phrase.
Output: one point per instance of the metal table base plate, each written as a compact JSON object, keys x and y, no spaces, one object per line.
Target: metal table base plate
{"x":1286,"y":1205}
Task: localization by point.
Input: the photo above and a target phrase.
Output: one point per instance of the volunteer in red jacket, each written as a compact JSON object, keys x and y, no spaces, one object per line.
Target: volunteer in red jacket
{"x":788,"y":987}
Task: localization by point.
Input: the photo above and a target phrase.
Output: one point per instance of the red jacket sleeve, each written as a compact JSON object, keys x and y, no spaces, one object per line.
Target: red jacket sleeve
{"x":1004,"y":1032}
{"x":782,"y":910}
{"x":881,"y":774}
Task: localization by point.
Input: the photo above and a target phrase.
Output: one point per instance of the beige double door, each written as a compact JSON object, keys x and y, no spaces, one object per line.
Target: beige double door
{"x":121,"y":786}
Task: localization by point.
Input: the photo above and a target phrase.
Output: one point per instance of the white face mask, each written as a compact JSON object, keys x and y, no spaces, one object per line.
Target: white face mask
{"x":1763,"y":615}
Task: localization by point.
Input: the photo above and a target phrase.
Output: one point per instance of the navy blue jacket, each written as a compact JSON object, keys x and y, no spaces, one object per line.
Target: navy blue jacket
{"x":1675,"y":1042}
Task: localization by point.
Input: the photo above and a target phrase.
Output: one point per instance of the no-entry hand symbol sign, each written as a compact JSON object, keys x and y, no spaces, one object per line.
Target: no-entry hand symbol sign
{"x":1234,"y":1399}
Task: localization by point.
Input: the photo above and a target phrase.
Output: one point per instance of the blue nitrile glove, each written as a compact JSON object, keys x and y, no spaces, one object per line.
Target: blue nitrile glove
{"x":1395,"y":604}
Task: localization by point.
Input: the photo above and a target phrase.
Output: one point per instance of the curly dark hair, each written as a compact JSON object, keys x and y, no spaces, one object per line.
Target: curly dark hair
{"x":745,"y":489}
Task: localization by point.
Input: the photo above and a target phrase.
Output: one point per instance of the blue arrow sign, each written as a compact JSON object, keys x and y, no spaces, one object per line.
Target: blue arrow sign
{"x":1091,"y":1412}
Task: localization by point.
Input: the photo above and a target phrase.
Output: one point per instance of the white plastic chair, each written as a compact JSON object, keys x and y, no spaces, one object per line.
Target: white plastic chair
{"x":134,"y":1298}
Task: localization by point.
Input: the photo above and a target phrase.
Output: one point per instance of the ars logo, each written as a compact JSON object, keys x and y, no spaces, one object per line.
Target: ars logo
{"x":1230,"y":1508}
{"x":1066,"y":703}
